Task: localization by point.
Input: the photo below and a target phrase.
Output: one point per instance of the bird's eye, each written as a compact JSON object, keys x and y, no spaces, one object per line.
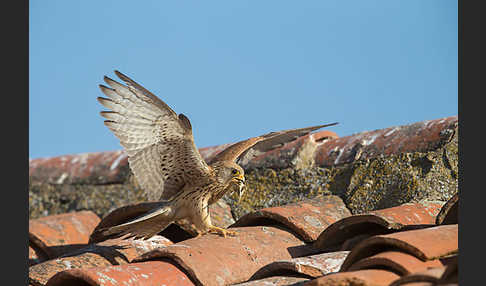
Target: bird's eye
{"x":234,"y":171}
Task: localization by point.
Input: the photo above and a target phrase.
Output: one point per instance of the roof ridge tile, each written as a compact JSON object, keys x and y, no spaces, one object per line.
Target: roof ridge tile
{"x":415,"y":137}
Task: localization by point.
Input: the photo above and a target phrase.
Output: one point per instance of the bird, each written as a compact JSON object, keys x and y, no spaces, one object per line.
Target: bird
{"x":165,"y":161}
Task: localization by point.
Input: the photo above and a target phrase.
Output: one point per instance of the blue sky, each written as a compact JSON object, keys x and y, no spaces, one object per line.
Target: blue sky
{"x":239,"y":69}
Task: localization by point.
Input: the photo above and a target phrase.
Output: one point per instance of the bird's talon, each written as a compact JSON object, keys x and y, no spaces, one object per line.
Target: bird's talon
{"x":222,"y":231}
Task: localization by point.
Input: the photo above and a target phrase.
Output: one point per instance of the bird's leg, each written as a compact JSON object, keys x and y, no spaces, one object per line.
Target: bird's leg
{"x":202,"y":222}
{"x":222,"y":231}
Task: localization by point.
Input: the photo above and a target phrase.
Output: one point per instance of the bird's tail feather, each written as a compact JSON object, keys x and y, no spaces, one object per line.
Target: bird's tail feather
{"x":144,"y":226}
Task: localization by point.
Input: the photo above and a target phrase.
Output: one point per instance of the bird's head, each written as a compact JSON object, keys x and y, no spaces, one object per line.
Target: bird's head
{"x":232,"y":175}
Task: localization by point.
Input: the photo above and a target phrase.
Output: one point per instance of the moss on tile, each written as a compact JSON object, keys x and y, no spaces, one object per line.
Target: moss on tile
{"x":364,"y":185}
{"x":49,"y":199}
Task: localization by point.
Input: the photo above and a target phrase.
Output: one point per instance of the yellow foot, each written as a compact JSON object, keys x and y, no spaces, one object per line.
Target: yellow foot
{"x":222,"y":231}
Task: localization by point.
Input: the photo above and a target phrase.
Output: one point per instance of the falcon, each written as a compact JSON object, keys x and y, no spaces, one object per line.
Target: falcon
{"x":164,"y":159}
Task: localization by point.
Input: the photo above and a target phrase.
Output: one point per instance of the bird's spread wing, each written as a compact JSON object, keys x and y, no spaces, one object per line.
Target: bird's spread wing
{"x":159,"y":143}
{"x":243,"y":151}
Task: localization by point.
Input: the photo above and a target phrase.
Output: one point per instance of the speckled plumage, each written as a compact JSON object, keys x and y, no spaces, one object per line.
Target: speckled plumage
{"x":166,"y":163}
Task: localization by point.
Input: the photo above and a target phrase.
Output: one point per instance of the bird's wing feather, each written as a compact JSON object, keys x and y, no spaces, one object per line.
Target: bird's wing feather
{"x":243,"y":151}
{"x":144,"y":226}
{"x":122,"y":215}
{"x":159,"y":143}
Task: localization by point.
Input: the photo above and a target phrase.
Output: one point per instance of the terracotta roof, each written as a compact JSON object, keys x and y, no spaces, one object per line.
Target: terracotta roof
{"x":315,"y":241}
{"x":348,"y":231}
{"x":366,"y":277}
{"x":100,"y":167}
{"x":307,"y":218}
{"x":417,"y":137}
{"x":49,"y":237}
{"x":144,"y":273}
{"x":313,"y":265}
{"x":260,"y":253}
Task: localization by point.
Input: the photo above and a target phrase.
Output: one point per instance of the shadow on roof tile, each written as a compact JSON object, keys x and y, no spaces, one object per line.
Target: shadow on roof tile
{"x":369,"y":277}
{"x":358,"y":227}
{"x":425,"y":244}
{"x":214,"y":260}
{"x":143,"y":273}
{"x":451,"y":273}
{"x":36,"y":255}
{"x":106,"y":253}
{"x":449,"y":214}
{"x":307,"y":218}
{"x":56,"y":234}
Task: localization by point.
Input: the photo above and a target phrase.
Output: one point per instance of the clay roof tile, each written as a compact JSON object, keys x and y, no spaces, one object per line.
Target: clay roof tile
{"x":308,"y":266}
{"x":143,"y":273}
{"x":106,"y":253}
{"x":98,"y":167}
{"x":307,"y":218}
{"x":395,"y":261}
{"x":214,"y":260}
{"x":430,"y":275}
{"x":57,"y":234}
{"x":417,"y":137}
{"x":449,"y":212}
{"x":425,"y":244}
{"x":377,"y":222}
{"x":368,"y":277}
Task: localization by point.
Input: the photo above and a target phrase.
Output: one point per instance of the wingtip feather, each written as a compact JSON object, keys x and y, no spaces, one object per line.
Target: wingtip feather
{"x":122,"y":76}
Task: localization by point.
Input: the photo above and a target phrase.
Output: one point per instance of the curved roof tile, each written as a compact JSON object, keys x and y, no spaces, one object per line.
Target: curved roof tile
{"x":398,"y":262}
{"x":449,"y":214}
{"x":143,"y":273}
{"x":214,"y":260}
{"x":312,"y":266}
{"x":417,"y":137}
{"x":307,"y":218}
{"x":57,"y":234}
{"x":369,"y":277}
{"x":106,"y":253}
{"x":425,"y":244}
{"x":377,"y":222}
